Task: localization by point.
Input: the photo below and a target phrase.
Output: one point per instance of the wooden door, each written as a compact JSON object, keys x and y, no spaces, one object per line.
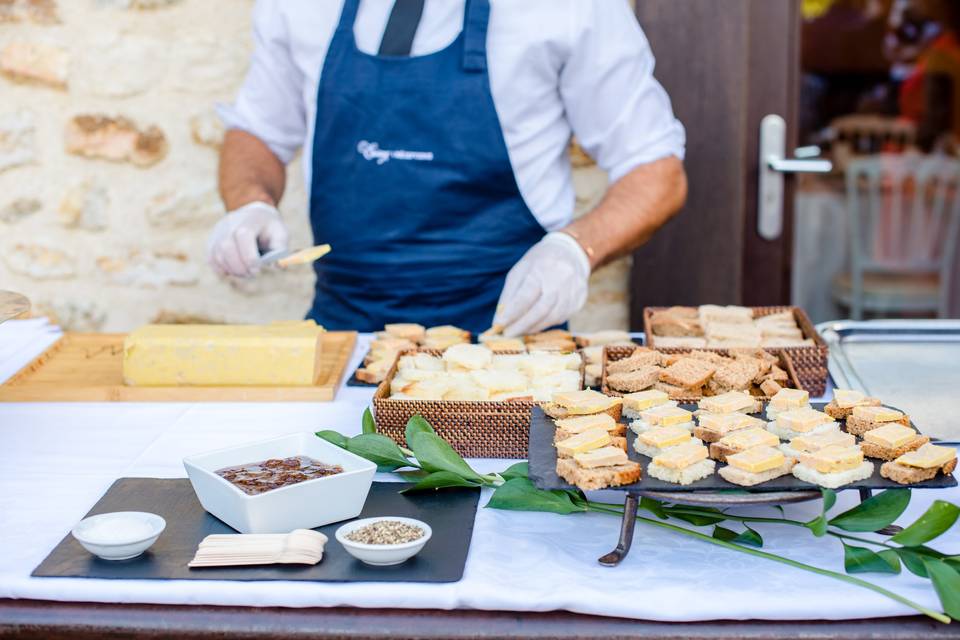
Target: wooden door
{"x":726,"y":64}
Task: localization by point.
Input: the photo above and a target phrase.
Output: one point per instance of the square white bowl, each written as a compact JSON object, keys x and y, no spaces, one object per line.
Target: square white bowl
{"x":304,"y":505}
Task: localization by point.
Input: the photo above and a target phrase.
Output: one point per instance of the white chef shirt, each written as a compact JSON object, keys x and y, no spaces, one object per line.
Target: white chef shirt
{"x":557,"y":67}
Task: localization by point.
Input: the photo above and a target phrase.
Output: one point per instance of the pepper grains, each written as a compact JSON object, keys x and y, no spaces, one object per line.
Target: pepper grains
{"x":386,"y":532}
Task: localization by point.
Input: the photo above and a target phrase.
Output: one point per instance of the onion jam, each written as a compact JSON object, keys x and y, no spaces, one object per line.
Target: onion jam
{"x":254,"y":478}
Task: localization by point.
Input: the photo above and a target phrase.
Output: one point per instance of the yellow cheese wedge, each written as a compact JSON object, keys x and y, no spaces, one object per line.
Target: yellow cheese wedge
{"x":222,"y":355}
{"x":928,"y":456}
{"x":666,"y":416}
{"x":682,"y":456}
{"x":891,"y":435}
{"x":790,"y":399}
{"x":877,"y":414}
{"x":749,"y":438}
{"x":584,"y":423}
{"x":726,"y":422}
{"x":602,"y":457}
{"x":757,"y":459}
{"x":836,"y":458}
{"x":645,"y":399}
{"x":583,"y":442}
{"x":848,"y":398}
{"x":727,"y":402}
{"x":663,"y":437}
{"x":584,"y":402}
{"x":802,"y":420}
{"x":817,"y":441}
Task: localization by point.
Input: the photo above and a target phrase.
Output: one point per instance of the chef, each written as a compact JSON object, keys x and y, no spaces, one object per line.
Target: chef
{"x":434,"y":137}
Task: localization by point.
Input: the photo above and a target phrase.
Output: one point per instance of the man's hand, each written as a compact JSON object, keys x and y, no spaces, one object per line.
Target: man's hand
{"x":235,"y":242}
{"x":546,"y":287}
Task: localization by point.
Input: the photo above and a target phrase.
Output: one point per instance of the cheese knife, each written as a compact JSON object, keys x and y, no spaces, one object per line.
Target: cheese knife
{"x":290,"y":257}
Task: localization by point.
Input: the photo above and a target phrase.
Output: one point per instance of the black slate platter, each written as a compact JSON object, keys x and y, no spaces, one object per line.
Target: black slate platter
{"x":353,"y":381}
{"x":543,"y":468}
{"x":450,"y":513}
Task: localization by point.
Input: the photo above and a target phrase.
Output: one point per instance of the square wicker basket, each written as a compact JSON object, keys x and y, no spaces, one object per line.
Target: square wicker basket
{"x":809,"y":362}
{"x":475,"y":429}
{"x":612,"y":354}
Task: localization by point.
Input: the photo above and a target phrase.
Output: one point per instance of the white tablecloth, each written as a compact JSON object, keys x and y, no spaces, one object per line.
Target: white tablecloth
{"x":58,"y":459}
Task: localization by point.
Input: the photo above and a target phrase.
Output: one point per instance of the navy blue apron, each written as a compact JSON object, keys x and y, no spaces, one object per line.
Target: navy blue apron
{"x":412,"y":185}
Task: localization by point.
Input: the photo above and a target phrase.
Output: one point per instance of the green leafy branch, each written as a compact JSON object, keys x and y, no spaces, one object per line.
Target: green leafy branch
{"x":431,"y":464}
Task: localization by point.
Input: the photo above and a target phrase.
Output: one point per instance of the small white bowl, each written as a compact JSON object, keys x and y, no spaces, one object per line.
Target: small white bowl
{"x":383,"y":555}
{"x":104,"y":535}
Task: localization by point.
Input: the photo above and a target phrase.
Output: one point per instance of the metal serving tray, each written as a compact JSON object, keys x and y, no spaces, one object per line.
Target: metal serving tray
{"x":914,"y":364}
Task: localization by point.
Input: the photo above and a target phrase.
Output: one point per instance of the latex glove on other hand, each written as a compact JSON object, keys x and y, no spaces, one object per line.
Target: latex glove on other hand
{"x":547,"y":286}
{"x":236,"y":241}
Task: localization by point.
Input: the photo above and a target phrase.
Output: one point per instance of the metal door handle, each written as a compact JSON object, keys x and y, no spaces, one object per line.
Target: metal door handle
{"x":773,"y":164}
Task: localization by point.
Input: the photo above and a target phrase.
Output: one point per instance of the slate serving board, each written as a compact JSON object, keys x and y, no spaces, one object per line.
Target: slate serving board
{"x":450,"y":513}
{"x":543,"y":468}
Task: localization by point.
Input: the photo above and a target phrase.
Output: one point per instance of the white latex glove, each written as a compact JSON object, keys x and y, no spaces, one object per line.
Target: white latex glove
{"x":545,"y":288}
{"x":235,"y":242}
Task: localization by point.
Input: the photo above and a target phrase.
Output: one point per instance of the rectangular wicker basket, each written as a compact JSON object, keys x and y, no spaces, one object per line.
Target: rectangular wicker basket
{"x":809,"y":362}
{"x":475,"y":429}
{"x":612,"y":354}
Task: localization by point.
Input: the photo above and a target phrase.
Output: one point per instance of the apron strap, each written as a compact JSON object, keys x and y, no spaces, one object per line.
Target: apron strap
{"x":476,"y":16}
{"x":348,"y":15}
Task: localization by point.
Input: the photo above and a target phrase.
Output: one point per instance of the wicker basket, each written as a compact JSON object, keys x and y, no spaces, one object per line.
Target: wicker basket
{"x":612,"y":354}
{"x":475,"y":429}
{"x":810,"y":362}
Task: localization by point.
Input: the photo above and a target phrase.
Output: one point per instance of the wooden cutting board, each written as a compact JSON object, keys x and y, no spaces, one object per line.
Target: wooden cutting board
{"x":88,"y":367}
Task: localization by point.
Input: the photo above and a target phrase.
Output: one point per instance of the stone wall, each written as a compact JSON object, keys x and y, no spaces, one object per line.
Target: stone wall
{"x":108,"y":154}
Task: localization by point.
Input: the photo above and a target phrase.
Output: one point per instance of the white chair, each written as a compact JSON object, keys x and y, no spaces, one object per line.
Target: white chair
{"x":903,"y":213}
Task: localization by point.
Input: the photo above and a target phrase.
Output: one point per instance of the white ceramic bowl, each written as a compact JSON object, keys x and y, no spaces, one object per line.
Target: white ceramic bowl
{"x":383,"y":554}
{"x":304,"y":505}
{"x":120,"y":535}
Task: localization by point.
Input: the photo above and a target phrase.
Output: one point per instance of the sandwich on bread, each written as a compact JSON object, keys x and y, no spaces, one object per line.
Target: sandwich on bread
{"x":787,"y":399}
{"x":834,"y":466}
{"x":599,"y":468}
{"x":684,"y":464}
{"x":569,"y":427}
{"x":922,"y":464}
{"x":711,"y":427}
{"x":863,"y":419}
{"x":730,"y":402}
{"x":581,"y":403}
{"x":634,"y":403}
{"x":802,"y":447}
{"x":405,"y":330}
{"x":665,"y":415}
{"x":653,"y":442}
{"x":797,"y":422}
{"x":741,"y":441}
{"x":582,"y":442}
{"x":891,"y":441}
{"x":756,"y":465}
{"x":845,"y":400}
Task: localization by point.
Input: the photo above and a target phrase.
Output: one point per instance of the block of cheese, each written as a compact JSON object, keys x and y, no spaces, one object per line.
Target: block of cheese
{"x":890,"y":435}
{"x":802,"y":420}
{"x":790,"y":399}
{"x":757,"y":459}
{"x":928,"y":456}
{"x":728,"y":402}
{"x":877,"y":414}
{"x":583,"y":442}
{"x":644,"y":399}
{"x":602,"y":457}
{"x":749,"y":438}
{"x":682,"y":456}
{"x":724,"y":423}
{"x":817,"y":441}
{"x":663,"y":437}
{"x":666,"y":416}
{"x":222,"y":355}
{"x":836,"y":458}
{"x":584,"y":423}
{"x":848,"y":398}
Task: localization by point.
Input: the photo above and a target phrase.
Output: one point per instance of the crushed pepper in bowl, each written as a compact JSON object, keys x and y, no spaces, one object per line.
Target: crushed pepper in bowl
{"x":386,"y":532}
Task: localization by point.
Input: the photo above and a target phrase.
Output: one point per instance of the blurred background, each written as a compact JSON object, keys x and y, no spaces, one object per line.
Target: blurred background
{"x":108,"y":154}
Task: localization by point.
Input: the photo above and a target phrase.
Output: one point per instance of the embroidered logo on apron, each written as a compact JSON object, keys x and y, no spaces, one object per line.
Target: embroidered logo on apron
{"x":372,"y":151}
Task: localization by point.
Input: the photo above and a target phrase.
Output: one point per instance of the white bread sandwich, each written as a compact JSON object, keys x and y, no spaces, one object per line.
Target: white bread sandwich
{"x":655,"y":441}
{"x":787,"y":399}
{"x":683,"y":465}
{"x":599,"y":469}
{"x":580,"y":403}
{"x":730,"y":402}
{"x":756,"y":465}
{"x":665,"y":415}
{"x":634,"y":403}
{"x":802,"y":447}
{"x":568,"y":427}
{"x":741,"y":441}
{"x":922,"y":464}
{"x":863,"y":419}
{"x":833,"y":467}
{"x":405,"y":330}
{"x":891,"y":441}
{"x":798,"y":422}
{"x":711,"y":427}
{"x":845,"y":400}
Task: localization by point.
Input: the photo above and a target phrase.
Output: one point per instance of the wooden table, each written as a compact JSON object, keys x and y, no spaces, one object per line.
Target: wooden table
{"x":53,"y":620}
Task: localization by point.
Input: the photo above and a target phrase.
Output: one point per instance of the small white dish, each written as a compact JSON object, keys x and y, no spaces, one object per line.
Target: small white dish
{"x":382,"y":555}
{"x":304,"y":505}
{"x":120,"y":535}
